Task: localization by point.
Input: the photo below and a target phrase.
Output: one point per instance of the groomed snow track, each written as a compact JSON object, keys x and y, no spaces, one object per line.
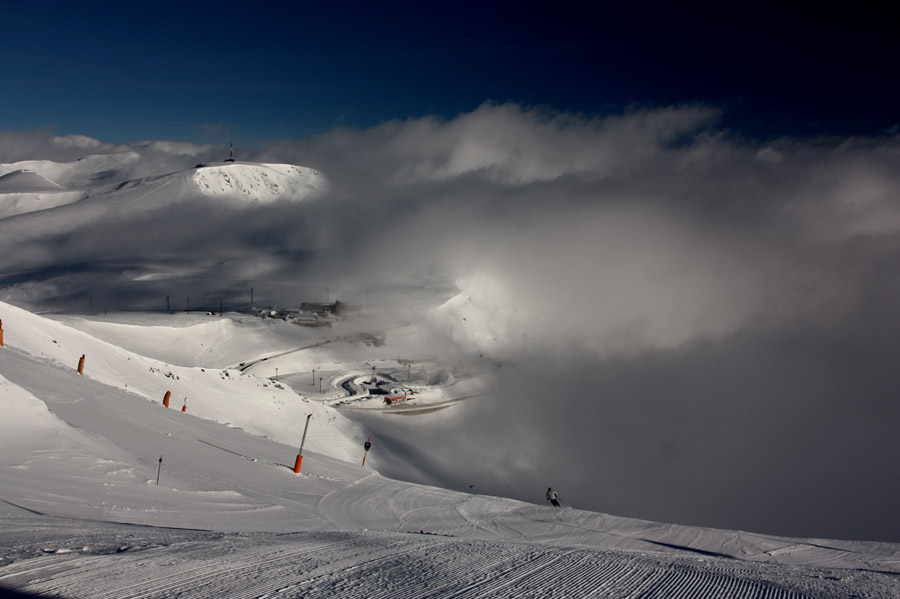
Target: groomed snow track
{"x":369,"y":565}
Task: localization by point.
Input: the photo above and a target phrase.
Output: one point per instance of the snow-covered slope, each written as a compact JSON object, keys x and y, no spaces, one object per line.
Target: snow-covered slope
{"x":96,"y":169}
{"x":89,"y":448}
{"x":24,"y":191}
{"x":25,"y":181}
{"x":34,"y":185}
{"x":259,"y":182}
{"x":225,"y":396}
{"x":239,"y":183}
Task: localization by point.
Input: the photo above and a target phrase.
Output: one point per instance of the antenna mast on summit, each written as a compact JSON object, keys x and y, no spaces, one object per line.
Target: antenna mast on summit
{"x":230,"y":153}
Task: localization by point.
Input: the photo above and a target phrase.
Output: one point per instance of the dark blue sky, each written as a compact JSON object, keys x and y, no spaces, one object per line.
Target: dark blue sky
{"x":250,"y":71}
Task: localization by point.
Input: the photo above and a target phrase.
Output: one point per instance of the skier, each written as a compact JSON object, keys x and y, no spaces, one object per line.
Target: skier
{"x":552,"y":497}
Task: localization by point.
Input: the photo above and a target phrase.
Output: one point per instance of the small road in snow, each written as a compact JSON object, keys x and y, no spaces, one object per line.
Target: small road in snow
{"x":244,"y":366}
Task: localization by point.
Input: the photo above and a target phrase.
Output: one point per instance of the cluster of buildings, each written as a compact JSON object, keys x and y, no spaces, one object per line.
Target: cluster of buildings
{"x":310,"y":314}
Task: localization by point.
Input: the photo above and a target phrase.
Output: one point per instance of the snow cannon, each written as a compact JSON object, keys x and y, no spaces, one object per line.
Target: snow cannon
{"x":81,"y":365}
{"x":166,"y":398}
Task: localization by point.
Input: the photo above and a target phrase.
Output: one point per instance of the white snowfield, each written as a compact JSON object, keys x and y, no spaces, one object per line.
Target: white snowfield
{"x":24,"y":191}
{"x":89,"y":171}
{"x":82,"y":515}
{"x":92,"y":184}
{"x":259,"y":182}
{"x":237,"y":183}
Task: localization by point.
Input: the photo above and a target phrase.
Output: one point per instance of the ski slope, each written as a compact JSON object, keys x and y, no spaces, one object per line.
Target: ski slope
{"x":82,"y":515}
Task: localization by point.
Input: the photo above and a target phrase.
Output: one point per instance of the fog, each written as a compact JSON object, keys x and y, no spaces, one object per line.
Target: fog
{"x":694,"y":327}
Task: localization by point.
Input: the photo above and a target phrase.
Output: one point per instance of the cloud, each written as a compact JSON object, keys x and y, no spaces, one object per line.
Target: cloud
{"x":156,"y":156}
{"x":81,"y":142}
{"x":703,"y":324}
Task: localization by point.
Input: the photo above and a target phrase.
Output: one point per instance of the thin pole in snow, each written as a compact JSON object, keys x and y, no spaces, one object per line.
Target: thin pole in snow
{"x":367,"y":446}
{"x":159,"y":469}
{"x":299,"y":459}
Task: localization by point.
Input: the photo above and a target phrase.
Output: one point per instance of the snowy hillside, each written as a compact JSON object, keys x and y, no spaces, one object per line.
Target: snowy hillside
{"x":239,"y":183}
{"x":90,"y":171}
{"x":259,"y":182}
{"x":225,"y":396}
{"x":35,"y":185}
{"x":128,"y":222}
{"x":24,"y":191}
{"x":24,"y":181}
{"x":80,"y":456}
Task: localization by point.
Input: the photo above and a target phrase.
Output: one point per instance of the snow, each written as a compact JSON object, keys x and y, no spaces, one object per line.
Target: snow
{"x":81,"y":513}
{"x":24,"y":191}
{"x":26,"y":180}
{"x":104,"y":492}
{"x":89,"y":171}
{"x":82,"y":191}
{"x":259,"y":182}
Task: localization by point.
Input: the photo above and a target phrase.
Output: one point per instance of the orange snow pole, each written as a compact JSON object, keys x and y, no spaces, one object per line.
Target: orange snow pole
{"x":367,"y":445}
{"x":166,"y":398}
{"x":81,"y":365}
{"x":1,"y":333}
{"x":299,"y":459}
{"x":184,"y":407}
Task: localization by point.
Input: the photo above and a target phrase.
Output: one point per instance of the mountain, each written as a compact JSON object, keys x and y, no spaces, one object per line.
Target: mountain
{"x":89,"y":171}
{"x":238,"y":183}
{"x":117,"y":233}
{"x":106,"y":492}
{"x":39,"y":185}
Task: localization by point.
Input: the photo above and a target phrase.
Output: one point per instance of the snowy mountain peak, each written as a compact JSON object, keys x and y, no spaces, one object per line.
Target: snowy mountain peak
{"x":259,"y":182}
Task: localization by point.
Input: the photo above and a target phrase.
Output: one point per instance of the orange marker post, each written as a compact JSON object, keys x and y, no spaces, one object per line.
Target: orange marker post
{"x":1,"y":333}
{"x":299,"y":459}
{"x":367,"y":445}
{"x":81,"y":365}
{"x":184,"y":407}
{"x":166,"y":398}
